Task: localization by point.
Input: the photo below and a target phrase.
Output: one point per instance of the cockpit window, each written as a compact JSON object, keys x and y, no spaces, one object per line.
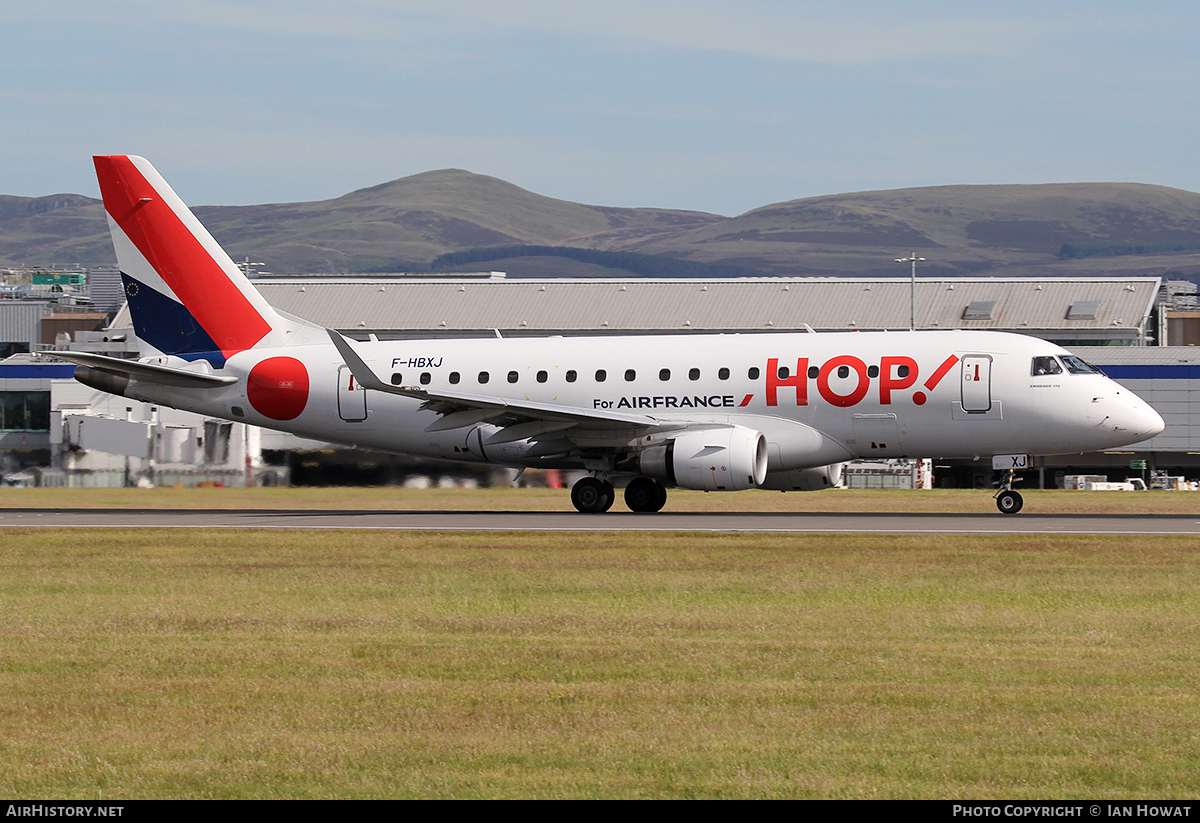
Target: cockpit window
{"x":1045,"y":365}
{"x":1076,"y":366}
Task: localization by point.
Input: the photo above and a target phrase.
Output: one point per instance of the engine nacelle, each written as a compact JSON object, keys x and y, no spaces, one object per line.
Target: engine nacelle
{"x":105,"y":381}
{"x":730,"y":458}
{"x":805,"y":480}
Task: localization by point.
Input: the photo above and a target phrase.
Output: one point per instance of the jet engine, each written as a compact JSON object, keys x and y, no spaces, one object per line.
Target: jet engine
{"x":805,"y":480}
{"x":729,"y":458}
{"x":105,"y":381}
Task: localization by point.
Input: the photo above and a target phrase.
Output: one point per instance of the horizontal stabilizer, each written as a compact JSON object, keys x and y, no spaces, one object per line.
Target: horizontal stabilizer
{"x":145,"y":372}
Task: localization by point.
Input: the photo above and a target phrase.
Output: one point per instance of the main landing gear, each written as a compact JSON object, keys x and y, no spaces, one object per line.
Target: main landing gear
{"x":645,"y":495}
{"x":591,"y":495}
{"x":1007,"y":500}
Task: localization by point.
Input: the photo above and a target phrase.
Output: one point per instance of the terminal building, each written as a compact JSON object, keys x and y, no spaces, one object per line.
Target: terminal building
{"x":1118,"y":324}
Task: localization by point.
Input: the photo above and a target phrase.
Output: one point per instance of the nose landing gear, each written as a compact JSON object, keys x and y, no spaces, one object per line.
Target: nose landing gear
{"x":1009,"y":501}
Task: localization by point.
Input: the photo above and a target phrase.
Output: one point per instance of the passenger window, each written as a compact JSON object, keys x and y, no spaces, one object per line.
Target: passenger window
{"x":1043,"y":366}
{"x":902,"y":371}
{"x":483,"y":377}
{"x":843,"y":372}
{"x":814,"y":372}
{"x":454,"y":377}
{"x":723,"y":374}
{"x":664,"y":374}
{"x":397,"y":379}
{"x":425,"y":377}
{"x":571,"y":375}
{"x":694,"y":374}
{"x":601,"y":375}
{"x":512,"y":377}
{"x":630,"y":375}
{"x":872,"y":372}
{"x":541,"y":377}
{"x":784,"y":371}
{"x":753,"y":373}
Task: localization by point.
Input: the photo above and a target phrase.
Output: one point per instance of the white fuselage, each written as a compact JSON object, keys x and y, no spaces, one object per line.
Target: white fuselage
{"x":844,"y":396}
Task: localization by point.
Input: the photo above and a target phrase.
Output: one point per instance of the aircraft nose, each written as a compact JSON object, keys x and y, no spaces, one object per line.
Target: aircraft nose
{"x":1147,"y":422}
{"x":1137,"y":417}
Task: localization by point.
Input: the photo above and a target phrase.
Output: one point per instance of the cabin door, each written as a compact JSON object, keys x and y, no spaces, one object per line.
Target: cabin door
{"x":976,"y":383}
{"x":352,"y":398}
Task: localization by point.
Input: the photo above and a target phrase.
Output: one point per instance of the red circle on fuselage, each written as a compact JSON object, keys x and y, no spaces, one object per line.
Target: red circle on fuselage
{"x":278,"y":388}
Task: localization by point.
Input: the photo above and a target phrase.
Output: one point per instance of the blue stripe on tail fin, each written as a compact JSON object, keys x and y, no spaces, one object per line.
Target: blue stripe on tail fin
{"x":167,"y":326}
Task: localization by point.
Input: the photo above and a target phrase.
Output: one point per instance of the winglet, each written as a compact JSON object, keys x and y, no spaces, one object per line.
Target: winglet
{"x":358,"y":367}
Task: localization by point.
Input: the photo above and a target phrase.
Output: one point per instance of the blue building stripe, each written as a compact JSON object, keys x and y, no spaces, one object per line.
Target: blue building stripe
{"x":1180,"y":372}
{"x":36,"y":371}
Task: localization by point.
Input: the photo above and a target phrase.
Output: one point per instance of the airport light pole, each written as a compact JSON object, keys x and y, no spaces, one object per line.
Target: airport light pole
{"x":248,"y":268}
{"x":912,"y":292}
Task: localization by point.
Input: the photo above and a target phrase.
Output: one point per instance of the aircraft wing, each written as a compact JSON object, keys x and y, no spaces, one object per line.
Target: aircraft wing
{"x":164,"y":375}
{"x":520,"y":419}
{"x":495,"y":409}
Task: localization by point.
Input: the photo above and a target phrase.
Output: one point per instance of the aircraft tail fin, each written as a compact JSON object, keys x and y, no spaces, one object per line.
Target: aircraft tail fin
{"x":186,"y":296}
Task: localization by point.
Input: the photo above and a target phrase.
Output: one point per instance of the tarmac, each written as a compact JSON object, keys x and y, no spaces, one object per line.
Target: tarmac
{"x":569,"y":521}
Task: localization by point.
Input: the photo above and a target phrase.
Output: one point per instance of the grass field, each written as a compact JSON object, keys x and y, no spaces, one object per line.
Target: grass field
{"x":542,"y":499}
{"x":372,"y":664}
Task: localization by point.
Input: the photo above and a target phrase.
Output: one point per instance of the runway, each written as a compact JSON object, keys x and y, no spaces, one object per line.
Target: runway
{"x":491,"y":521}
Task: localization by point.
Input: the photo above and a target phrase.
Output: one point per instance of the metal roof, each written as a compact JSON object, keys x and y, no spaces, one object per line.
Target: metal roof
{"x":746,"y":304}
{"x":742,"y":304}
{"x":21,"y":321}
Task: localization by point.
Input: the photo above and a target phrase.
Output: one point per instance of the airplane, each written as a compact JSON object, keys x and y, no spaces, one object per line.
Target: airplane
{"x":717,"y":412}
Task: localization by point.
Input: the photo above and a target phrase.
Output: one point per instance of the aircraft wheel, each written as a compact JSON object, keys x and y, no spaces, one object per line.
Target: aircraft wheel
{"x":645,"y":495}
{"x":610,"y":495}
{"x":591,"y":495}
{"x":1009,"y":502}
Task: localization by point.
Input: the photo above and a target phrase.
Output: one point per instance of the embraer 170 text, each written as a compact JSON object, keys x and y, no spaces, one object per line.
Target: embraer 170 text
{"x":719,"y":412}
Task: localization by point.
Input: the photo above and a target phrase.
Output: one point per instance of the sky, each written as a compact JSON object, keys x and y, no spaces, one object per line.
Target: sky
{"x":688,"y":104}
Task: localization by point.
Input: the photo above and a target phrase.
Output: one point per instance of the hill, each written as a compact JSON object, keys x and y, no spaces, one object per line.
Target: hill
{"x":469,"y":221}
{"x":979,"y":230}
{"x":59,"y":229}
